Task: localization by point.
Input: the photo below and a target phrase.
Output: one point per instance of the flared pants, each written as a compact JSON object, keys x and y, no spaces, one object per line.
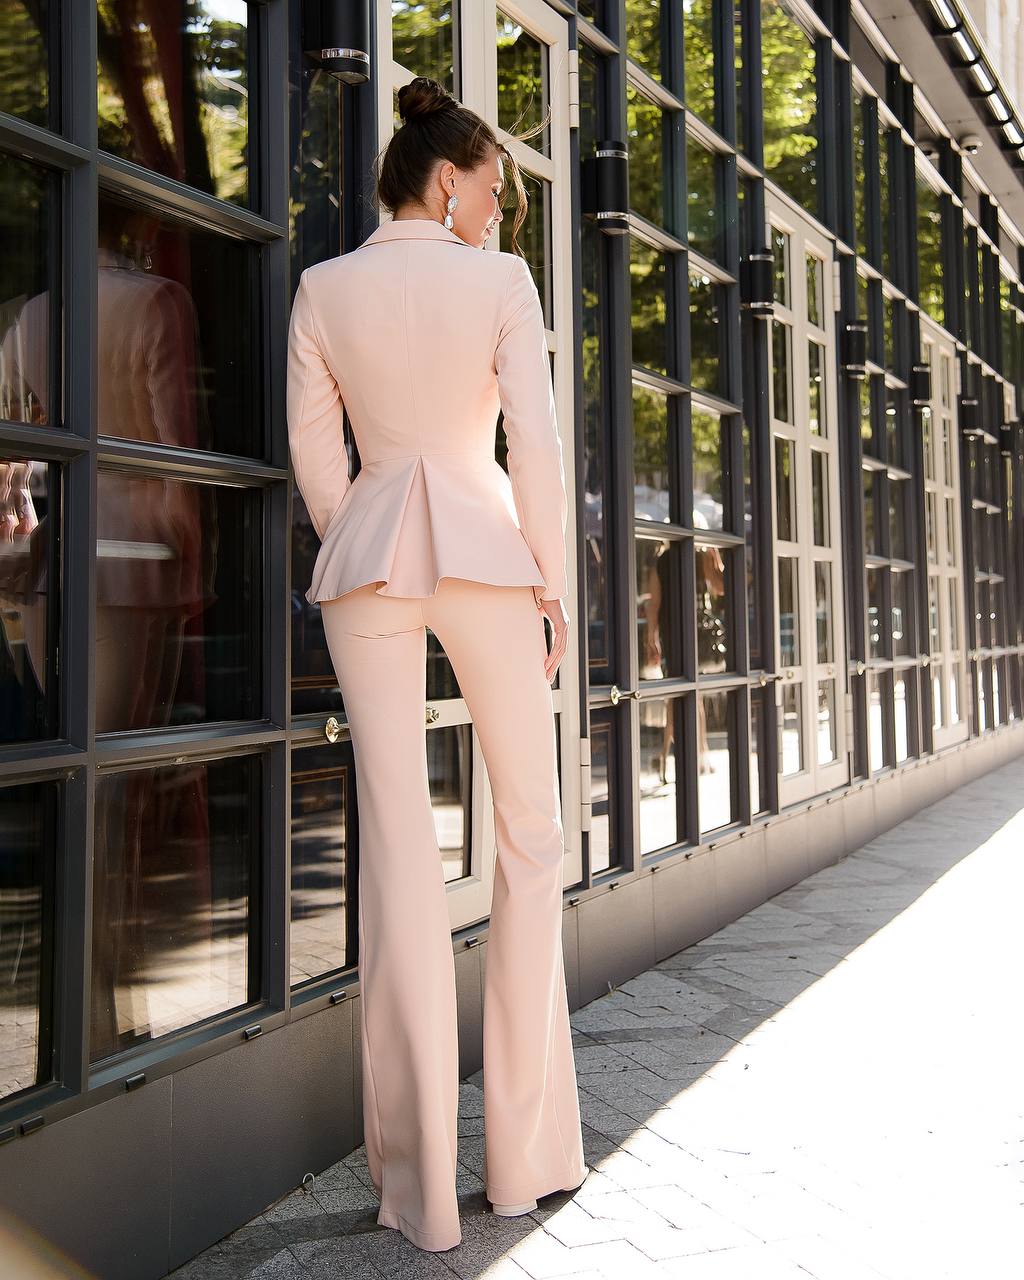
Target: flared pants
{"x":494,"y":638}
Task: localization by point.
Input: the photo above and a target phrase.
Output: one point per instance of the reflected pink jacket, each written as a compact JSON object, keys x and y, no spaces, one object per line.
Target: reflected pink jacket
{"x":423,"y":340}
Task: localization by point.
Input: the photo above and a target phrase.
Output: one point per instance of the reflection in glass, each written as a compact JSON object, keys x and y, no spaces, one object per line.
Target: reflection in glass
{"x":598,"y":584}
{"x":178,"y":360}
{"x":950,"y":531}
{"x":28,"y":822}
{"x":815,"y":302}
{"x":645,"y":133}
{"x":897,"y":522}
{"x":816,"y":387}
{"x":699,"y":56}
{"x":422,"y":35}
{"x":762,"y":714}
{"x":954,"y":614}
{"x":899,"y":586}
{"x":28,"y":513}
{"x":714,"y":754}
{"x":819,"y":498}
{"x":705,"y":332}
{"x":712,"y":567}
{"x":782,"y":402}
{"x":315,"y":162}
{"x":870,"y":523}
{"x":823,"y":608}
{"x":900,"y":705}
{"x":934,"y":637}
{"x":24,"y":59}
{"x":651,"y":455}
{"x":323,"y":814}
{"x":876,"y":757}
{"x":522,"y":73}
{"x":648,"y":281}
{"x":708,"y":487}
{"x":602,"y":825}
{"x":954,"y":695}
{"x":874,"y":577}
{"x":660,"y":745}
{"x":27,"y":211}
{"x":644,"y":34}
{"x":792,"y":729}
{"x":450,"y":772}
{"x":174,"y":899}
{"x":789,"y":612}
{"x":780,"y":266}
{"x":867,"y":428}
{"x":177,"y":602}
{"x":701,"y":199}
{"x":657,"y":577}
{"x":826,"y":721}
{"x":931,"y":531}
{"x":790,"y":104}
{"x":785,"y":490}
{"x":174,"y":89}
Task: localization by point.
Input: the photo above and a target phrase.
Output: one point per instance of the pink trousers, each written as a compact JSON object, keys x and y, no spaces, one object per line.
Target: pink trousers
{"x":533,"y":1145}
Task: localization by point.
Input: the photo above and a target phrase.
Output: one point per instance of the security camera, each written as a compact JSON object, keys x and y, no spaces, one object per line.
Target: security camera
{"x":970,"y":144}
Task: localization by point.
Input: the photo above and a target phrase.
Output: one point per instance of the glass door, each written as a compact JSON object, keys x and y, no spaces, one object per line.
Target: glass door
{"x":809,"y":648}
{"x":946,"y":649}
{"x":508,"y":62}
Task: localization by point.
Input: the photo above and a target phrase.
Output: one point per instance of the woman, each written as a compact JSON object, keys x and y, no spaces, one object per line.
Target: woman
{"x":423,"y":343}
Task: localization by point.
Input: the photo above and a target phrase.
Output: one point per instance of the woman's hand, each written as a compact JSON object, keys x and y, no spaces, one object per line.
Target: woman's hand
{"x":559,"y":619}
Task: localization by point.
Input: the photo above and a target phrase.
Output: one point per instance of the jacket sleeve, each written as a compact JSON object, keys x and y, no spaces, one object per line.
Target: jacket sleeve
{"x":527,"y":399}
{"x":316,"y":436}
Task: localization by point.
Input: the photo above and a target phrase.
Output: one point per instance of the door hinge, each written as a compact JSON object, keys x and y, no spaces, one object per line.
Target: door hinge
{"x":574,"y":88}
{"x":585,"y":794}
{"x":837,"y":288}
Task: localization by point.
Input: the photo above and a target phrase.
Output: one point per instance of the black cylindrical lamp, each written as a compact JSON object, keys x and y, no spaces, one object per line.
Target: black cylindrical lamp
{"x":921,"y":383}
{"x":970,"y":415}
{"x":335,"y":34}
{"x":855,"y":349}
{"x":757,"y":283}
{"x":604,"y":191}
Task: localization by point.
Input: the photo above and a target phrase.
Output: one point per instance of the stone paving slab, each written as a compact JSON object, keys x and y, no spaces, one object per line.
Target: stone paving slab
{"x":829,"y":1087}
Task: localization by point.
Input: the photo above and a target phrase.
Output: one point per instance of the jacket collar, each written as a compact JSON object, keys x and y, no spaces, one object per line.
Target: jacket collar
{"x":414,"y":229}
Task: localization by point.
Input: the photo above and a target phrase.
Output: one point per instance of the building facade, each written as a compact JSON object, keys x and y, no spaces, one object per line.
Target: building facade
{"x":780,"y":249}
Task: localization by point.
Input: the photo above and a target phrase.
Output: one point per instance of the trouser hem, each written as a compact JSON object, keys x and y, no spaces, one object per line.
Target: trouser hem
{"x":434,"y":1241}
{"x":556,"y":1182}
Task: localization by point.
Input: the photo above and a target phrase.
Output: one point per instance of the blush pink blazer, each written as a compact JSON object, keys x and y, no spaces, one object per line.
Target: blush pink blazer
{"x":423,"y":340}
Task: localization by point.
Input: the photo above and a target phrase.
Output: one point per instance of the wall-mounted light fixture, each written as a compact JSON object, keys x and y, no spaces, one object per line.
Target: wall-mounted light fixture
{"x":969,"y":416}
{"x":854,"y":349}
{"x":921,"y":384}
{"x":335,"y":35}
{"x":757,"y":291}
{"x":604,"y":187}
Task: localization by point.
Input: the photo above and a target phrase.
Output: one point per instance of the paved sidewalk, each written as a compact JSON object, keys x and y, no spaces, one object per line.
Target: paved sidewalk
{"x":832,"y":1086}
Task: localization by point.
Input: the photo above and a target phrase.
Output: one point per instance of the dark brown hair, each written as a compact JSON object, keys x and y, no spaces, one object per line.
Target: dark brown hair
{"x":436,"y":126}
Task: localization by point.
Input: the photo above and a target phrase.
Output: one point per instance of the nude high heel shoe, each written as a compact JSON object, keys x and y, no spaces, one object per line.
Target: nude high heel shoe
{"x":517,"y":1210}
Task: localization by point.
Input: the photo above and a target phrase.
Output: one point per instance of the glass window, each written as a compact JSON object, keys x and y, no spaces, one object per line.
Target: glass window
{"x":28,"y":209}
{"x":790,"y":104}
{"x":661,"y":769}
{"x":644,"y":34}
{"x":826,"y":716}
{"x":706,"y":369}
{"x":657,"y":608}
{"x":645,"y":132}
{"x":178,"y":357}
{"x":762,"y":714}
{"x":24,"y":60}
{"x":652,"y":454}
{"x":522,"y":76}
{"x":792,"y":729}
{"x":789,"y":611}
{"x":699,"y":55}
{"x":715,"y":783}
{"x":175,"y":925}
{"x":649,"y":284}
{"x":785,"y":490}
{"x":702,"y":230}
{"x":782,"y":381}
{"x":713,"y":566}
{"x":28,"y":824}
{"x":177,"y":602}
{"x":708,"y":484}
{"x":603,"y":751}
{"x":323,"y":930}
{"x":819,"y":498}
{"x":29,"y":510}
{"x":929,"y":251}
{"x":422,"y":38}
{"x":174,"y":90}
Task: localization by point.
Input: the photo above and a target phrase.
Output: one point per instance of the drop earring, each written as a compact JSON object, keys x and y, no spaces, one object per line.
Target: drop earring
{"x":453,"y":200}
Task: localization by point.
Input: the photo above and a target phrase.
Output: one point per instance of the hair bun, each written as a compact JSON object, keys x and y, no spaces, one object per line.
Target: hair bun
{"x":423,"y":97}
